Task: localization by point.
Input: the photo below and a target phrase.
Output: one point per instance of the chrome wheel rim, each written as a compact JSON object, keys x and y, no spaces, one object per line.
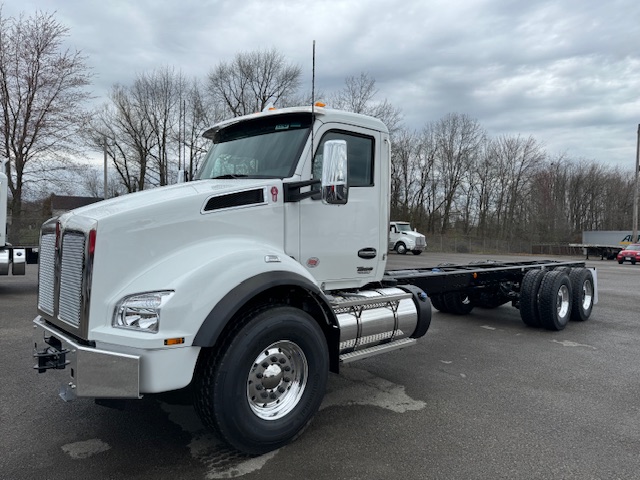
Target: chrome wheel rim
{"x":563,"y":301}
{"x":587,"y":295}
{"x":277,"y":380}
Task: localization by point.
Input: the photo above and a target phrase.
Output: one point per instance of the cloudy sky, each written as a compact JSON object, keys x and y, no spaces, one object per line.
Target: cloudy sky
{"x":566,"y":72}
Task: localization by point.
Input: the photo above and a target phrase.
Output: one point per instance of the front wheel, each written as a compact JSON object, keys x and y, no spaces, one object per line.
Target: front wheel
{"x":260,"y":388}
{"x":401,"y":248}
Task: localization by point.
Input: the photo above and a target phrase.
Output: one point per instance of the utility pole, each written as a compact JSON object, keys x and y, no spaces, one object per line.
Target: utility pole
{"x":634,"y":235}
{"x":104,"y":150}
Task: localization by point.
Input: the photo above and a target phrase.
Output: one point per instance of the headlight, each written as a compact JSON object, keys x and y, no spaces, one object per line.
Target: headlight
{"x":142,"y":311}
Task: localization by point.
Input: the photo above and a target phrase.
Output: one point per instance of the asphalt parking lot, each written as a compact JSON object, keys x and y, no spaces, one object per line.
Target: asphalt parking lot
{"x":480,"y":397}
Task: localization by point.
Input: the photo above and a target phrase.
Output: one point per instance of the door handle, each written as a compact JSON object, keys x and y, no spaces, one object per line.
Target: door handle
{"x":367,"y":253}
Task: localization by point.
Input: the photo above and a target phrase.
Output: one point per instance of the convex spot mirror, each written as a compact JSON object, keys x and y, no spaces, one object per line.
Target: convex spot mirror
{"x":335,"y":189}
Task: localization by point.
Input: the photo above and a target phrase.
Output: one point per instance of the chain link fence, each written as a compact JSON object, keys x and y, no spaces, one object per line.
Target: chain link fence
{"x":453,"y":243}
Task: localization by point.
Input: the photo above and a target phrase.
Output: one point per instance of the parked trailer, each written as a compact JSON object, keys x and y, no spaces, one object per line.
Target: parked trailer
{"x":605,"y":244}
{"x":547,"y":293}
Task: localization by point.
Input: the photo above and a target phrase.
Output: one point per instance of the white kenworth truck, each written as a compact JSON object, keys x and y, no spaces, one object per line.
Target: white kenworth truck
{"x":403,"y":239}
{"x":256,"y":279}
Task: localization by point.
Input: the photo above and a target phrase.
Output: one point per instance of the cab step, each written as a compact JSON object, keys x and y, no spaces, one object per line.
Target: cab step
{"x":371,"y":351}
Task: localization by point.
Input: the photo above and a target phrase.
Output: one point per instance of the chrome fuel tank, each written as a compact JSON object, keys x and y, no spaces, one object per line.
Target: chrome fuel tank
{"x":373,"y":317}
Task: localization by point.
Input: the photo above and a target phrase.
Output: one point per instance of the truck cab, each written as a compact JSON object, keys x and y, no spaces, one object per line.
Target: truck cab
{"x":248,"y":284}
{"x":403,"y":239}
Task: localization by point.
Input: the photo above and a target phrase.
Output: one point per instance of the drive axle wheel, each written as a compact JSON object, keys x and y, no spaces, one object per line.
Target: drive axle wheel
{"x":582,"y":293}
{"x":259,"y":387}
{"x":555,"y":301}
{"x":458,"y":303}
{"x":529,"y":289}
{"x":438,"y":303}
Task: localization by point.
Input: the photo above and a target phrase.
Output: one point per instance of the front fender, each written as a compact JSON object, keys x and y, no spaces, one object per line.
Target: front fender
{"x":201,"y":276}
{"x":235,"y":299}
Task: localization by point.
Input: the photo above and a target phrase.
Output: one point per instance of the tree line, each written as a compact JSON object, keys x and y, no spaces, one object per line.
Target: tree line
{"x":448,"y":175}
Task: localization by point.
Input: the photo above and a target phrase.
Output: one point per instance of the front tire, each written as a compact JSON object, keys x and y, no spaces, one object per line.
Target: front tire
{"x":261,"y":386}
{"x":401,"y":248}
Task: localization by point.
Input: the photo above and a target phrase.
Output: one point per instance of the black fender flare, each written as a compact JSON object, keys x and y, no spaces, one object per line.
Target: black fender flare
{"x":234,"y":300}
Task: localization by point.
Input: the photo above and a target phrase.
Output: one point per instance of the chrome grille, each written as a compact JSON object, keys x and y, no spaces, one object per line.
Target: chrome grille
{"x":420,"y":242}
{"x":46,"y":273}
{"x":71,"y":266}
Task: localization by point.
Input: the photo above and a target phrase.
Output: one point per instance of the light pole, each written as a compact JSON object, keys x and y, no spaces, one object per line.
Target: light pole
{"x":634,"y":235}
{"x":104,"y":150}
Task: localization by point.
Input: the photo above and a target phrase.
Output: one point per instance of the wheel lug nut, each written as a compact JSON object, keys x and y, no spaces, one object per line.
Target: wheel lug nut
{"x":287,"y":368}
{"x":273,"y":359}
{"x":259,"y":387}
{"x":272,"y":396}
{"x":281,"y":389}
{"x":264,"y":395}
{"x":287,"y":379}
{"x":265,"y":364}
{"x":258,"y":375}
{"x":282,"y":360}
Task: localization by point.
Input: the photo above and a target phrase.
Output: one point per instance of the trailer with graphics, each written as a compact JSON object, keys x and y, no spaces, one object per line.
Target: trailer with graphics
{"x":605,"y":244}
{"x":252,"y":282}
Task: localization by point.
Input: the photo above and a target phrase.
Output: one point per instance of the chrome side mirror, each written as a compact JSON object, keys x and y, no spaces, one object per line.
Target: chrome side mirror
{"x":335,"y":189}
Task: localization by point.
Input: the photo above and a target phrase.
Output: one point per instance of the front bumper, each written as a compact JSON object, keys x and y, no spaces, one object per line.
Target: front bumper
{"x":92,"y":372}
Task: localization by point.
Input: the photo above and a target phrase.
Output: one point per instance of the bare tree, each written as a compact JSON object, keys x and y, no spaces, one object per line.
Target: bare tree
{"x":152,"y":128}
{"x":42,"y":92}
{"x":358,"y":96}
{"x":459,"y":139}
{"x":197,"y":115}
{"x":253,"y":80}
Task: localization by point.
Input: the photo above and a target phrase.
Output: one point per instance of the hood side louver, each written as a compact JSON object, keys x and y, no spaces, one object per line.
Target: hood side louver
{"x":239,"y":199}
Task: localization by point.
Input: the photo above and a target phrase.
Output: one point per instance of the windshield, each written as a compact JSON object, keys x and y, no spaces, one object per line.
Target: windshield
{"x":404,"y":227}
{"x":633,"y":247}
{"x":267,"y":147}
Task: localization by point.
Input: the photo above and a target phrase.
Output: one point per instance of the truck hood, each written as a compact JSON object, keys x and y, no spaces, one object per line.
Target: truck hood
{"x":412,"y":234}
{"x":135,"y":233}
{"x":151,"y":199}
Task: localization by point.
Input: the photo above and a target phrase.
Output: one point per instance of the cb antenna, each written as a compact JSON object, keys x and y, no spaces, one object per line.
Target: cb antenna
{"x":313,"y":93}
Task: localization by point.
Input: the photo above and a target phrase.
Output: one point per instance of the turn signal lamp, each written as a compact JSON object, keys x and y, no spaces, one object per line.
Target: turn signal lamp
{"x":320,"y":104}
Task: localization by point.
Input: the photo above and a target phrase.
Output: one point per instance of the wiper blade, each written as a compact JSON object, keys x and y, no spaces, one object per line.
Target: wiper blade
{"x":228,"y":175}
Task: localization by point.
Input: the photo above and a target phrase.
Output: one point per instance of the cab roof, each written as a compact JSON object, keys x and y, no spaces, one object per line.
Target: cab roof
{"x":322,"y":114}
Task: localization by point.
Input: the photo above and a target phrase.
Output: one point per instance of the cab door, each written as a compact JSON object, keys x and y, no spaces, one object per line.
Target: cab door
{"x":344,"y":246}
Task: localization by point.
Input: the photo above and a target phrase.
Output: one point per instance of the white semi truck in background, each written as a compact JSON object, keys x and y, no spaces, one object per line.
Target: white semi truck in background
{"x":403,"y":239}
{"x":13,"y":259}
{"x":252,"y":282}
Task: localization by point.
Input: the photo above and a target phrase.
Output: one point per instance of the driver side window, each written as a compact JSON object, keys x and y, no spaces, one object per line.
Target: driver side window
{"x":360,"y":157}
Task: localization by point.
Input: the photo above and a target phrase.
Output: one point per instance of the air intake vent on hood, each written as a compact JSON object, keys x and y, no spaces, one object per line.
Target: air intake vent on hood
{"x":240,"y":199}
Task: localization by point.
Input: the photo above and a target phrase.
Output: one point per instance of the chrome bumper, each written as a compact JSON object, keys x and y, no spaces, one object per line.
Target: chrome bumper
{"x":92,"y":372}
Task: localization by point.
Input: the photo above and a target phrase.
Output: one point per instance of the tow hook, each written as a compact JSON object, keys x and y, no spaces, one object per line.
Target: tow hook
{"x":53,"y":356}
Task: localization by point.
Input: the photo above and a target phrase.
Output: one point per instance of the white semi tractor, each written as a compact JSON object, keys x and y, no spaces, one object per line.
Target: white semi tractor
{"x":403,"y":239}
{"x":252,"y":282}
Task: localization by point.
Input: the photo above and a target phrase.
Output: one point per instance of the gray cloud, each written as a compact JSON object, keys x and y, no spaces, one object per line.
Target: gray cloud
{"x":565,"y":71}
